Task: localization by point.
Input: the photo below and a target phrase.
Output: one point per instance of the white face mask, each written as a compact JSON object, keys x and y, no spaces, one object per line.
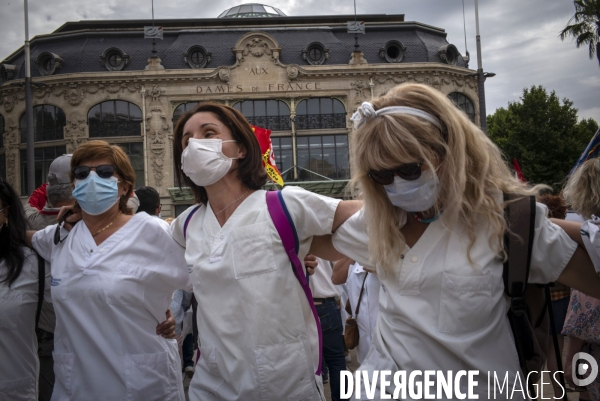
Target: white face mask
{"x":414,"y":196}
{"x":204,"y":161}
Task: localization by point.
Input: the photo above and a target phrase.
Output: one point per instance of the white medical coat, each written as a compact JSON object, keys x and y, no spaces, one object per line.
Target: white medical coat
{"x":18,"y":344}
{"x":108,"y":301}
{"x":369,"y":306}
{"x":437,"y":311}
{"x":258,"y":336}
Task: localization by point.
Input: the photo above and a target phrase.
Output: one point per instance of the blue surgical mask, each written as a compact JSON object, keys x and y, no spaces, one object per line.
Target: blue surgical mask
{"x":96,"y":195}
{"x":417,"y":195}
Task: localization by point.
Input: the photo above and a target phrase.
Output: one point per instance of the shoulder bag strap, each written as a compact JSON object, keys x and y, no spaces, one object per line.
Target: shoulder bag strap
{"x":518,"y":242}
{"x":41,"y":287}
{"x":362,"y":289}
{"x":187,"y":221}
{"x":289,"y":237}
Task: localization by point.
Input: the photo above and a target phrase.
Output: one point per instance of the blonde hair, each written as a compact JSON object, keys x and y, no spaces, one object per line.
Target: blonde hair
{"x":471,"y":170}
{"x":582,"y":190}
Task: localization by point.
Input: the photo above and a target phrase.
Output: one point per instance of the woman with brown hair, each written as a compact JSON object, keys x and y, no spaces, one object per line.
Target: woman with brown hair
{"x":259,"y":338}
{"x":113,"y":276}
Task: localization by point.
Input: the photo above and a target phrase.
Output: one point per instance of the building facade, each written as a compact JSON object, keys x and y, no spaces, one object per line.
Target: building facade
{"x":301,"y":77}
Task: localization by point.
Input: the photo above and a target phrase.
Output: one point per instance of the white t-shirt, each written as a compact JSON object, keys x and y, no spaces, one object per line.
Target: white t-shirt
{"x":590,"y":233}
{"x":108,"y":301}
{"x":437,"y":311}
{"x":18,"y":344}
{"x":320,"y":282}
{"x":369,"y":306}
{"x":258,"y":336}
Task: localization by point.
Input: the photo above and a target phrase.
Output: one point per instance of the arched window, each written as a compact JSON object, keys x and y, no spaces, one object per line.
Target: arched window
{"x":48,"y":123}
{"x":320,"y":113}
{"x":181,"y":110}
{"x":115,"y":118}
{"x":463,"y":103}
{"x":270,"y":114}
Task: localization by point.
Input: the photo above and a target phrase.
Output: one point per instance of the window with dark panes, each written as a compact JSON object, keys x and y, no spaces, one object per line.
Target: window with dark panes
{"x":135,"y":152}
{"x":320,"y":113}
{"x":325,"y":155}
{"x":269,"y":114}
{"x":1,"y":131}
{"x":463,"y":103}
{"x":48,"y":124}
{"x":181,"y":110}
{"x":3,"y":166}
{"x":284,"y":156}
{"x":43,"y":157}
{"x":115,"y":59}
{"x":115,"y":118}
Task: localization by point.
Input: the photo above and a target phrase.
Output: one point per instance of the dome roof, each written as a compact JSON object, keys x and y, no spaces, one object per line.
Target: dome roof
{"x":252,"y":10}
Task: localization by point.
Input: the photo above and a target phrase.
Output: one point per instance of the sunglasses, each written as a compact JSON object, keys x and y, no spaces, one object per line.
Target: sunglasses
{"x":103,"y":171}
{"x":409,"y":172}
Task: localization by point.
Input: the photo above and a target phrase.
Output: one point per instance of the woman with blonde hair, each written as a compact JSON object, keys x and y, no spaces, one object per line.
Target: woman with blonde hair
{"x":433,"y":225}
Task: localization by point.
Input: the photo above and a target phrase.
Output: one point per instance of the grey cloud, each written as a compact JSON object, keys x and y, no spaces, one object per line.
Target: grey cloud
{"x":519,"y":37}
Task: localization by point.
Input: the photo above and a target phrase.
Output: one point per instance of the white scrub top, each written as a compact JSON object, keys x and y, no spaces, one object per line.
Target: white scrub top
{"x":437,"y":311}
{"x":369,"y":306}
{"x":18,"y":344}
{"x":590,"y":233}
{"x":258,"y":336}
{"x":108,"y":301}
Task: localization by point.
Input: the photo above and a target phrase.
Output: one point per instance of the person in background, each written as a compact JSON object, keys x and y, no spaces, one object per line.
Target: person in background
{"x":326,"y":299}
{"x":19,"y":299}
{"x":113,"y":276}
{"x":354,"y":277}
{"x":559,"y":293}
{"x":45,"y":202}
{"x":149,"y":201}
{"x":180,"y":305}
{"x":582,"y":193}
{"x":41,"y":210}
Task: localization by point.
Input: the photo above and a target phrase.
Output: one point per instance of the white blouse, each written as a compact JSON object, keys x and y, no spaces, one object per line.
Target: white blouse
{"x":108,"y":299}
{"x":18,"y":344}
{"x":258,"y":336}
{"x":438,"y":311}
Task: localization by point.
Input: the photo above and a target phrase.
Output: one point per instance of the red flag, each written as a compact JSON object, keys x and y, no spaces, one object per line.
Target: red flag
{"x":518,"y":171}
{"x":266,"y":149}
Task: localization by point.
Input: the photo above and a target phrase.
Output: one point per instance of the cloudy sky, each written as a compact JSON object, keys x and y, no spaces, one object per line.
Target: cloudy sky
{"x":519,"y":37}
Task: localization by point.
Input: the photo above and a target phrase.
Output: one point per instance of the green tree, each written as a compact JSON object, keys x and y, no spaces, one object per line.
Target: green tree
{"x":542,"y":134}
{"x":584,"y":26}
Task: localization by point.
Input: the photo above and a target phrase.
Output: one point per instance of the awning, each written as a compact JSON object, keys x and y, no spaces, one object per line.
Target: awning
{"x":333,"y":188}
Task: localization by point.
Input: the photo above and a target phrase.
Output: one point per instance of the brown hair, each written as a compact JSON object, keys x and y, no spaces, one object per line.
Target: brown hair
{"x":250,"y":170}
{"x":95,"y":150}
{"x":557,"y":207}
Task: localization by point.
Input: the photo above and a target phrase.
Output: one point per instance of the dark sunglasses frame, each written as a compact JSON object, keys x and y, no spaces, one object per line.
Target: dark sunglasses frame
{"x":409,"y":172}
{"x":103,"y":171}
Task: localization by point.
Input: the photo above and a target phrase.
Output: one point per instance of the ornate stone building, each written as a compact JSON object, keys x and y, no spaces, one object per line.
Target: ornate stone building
{"x":298,"y":76}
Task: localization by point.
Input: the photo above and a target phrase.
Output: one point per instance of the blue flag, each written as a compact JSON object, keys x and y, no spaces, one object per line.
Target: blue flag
{"x":591,"y":151}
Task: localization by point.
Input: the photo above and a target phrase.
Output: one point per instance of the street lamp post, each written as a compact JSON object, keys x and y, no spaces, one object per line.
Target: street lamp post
{"x":481,"y":76}
{"x":29,"y":110}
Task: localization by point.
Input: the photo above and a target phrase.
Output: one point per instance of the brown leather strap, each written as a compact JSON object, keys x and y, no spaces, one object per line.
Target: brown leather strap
{"x":362,"y":289}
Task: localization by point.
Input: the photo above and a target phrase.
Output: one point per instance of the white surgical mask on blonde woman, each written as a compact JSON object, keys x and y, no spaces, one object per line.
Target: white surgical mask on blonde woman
{"x":204,"y":162}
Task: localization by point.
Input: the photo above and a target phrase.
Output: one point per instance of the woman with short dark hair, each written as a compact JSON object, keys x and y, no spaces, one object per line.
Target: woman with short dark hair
{"x":19,"y":298}
{"x":113,"y":276}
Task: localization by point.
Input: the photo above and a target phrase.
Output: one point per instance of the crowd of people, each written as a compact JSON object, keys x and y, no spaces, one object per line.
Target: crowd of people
{"x":97,"y":300}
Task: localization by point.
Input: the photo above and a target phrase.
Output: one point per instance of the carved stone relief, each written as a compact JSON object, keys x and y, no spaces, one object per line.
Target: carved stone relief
{"x":157,"y":129}
{"x":9,"y":102}
{"x":75,"y":131}
{"x":256,"y":44}
{"x":360,"y":87}
{"x":11,"y":145}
